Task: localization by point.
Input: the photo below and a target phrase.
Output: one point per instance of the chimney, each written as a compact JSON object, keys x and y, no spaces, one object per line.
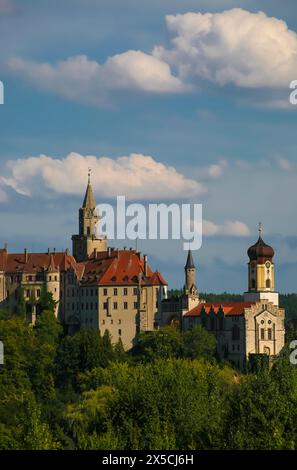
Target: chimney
{"x":109,"y":251}
{"x":26,"y":255}
{"x":145,"y":264}
{"x":54,"y":251}
{"x":67,"y":251}
{"x":5,"y":247}
{"x":48,"y":251}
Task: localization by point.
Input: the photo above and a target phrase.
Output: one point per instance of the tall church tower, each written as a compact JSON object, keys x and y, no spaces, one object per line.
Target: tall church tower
{"x":190,"y":296}
{"x":261,"y":272}
{"x":86,"y":243}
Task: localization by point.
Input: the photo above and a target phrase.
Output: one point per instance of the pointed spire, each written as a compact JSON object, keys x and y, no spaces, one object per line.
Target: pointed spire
{"x":51,"y":266}
{"x":190,"y":262}
{"x":89,"y":200}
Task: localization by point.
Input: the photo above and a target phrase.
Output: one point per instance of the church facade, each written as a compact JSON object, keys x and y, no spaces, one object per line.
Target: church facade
{"x":96,"y":287}
{"x":242,"y":329}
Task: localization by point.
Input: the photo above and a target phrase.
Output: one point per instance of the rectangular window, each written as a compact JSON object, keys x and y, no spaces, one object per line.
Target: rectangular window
{"x":136,"y":305}
{"x":125,"y":305}
{"x":135,"y":291}
{"x":105,"y":305}
{"x":104,"y":291}
{"x":120,"y":332}
{"x":269,"y":333}
{"x":125,"y":291}
{"x":115,"y":291}
{"x":119,"y":322}
{"x":262,"y":333}
{"x":115,"y":305}
{"x":27,"y":294}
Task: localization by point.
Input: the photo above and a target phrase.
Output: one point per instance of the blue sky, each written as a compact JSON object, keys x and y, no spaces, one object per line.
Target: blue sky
{"x":205,"y":94}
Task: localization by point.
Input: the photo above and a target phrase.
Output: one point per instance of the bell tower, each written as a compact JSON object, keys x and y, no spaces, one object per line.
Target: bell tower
{"x":88,"y":242}
{"x":261,"y":272}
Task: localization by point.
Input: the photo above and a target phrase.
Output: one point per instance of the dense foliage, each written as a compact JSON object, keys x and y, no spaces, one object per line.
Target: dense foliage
{"x":169,"y":392}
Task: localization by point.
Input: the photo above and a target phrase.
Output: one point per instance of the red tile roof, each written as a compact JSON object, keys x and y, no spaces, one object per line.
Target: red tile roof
{"x":35,"y":262}
{"x":229,"y":308}
{"x":121,"y":267}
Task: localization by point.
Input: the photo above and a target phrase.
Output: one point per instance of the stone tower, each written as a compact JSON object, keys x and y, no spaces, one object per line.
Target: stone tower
{"x":261,"y":272}
{"x":190,"y":297}
{"x":87,"y":242}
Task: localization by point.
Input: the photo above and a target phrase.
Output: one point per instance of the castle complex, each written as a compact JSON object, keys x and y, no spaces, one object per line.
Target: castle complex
{"x":242,"y":329}
{"x":112,"y":289}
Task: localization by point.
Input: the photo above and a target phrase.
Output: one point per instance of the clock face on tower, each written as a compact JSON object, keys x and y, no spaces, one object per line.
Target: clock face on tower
{"x":267,"y":265}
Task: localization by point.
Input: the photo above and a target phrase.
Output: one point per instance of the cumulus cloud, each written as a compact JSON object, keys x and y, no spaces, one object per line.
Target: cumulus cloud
{"x":215,"y":170}
{"x":284,"y":164}
{"x":136,"y":176}
{"x":211,"y":229}
{"x":235,"y":46}
{"x":234,"y":228}
{"x":81,"y":79}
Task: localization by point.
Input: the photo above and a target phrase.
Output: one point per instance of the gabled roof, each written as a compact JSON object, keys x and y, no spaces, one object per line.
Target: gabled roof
{"x":120,"y":267}
{"x":229,"y":308}
{"x":35,"y":262}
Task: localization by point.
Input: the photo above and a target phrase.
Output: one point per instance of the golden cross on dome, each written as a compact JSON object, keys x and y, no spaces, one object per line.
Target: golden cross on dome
{"x":260,"y":229}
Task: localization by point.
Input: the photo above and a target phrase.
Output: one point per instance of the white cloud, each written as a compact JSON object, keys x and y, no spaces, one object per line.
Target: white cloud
{"x":216,"y":169}
{"x":234,"y":228}
{"x":235,"y":46}
{"x":228,"y":228}
{"x":284,"y":164}
{"x":135,"y":176}
{"x":83,"y":80}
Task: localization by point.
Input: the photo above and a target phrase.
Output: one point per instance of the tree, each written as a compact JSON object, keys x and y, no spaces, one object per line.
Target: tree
{"x":46,"y":301}
{"x":160,"y":344}
{"x":21,"y":305}
{"x":47,"y":328}
{"x":197,"y":342}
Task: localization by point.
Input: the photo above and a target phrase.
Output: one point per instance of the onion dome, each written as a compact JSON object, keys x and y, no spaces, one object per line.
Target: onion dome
{"x":260,"y":251}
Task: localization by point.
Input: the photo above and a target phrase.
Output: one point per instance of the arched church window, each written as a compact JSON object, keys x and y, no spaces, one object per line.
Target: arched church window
{"x":268,"y":283}
{"x":235,"y":333}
